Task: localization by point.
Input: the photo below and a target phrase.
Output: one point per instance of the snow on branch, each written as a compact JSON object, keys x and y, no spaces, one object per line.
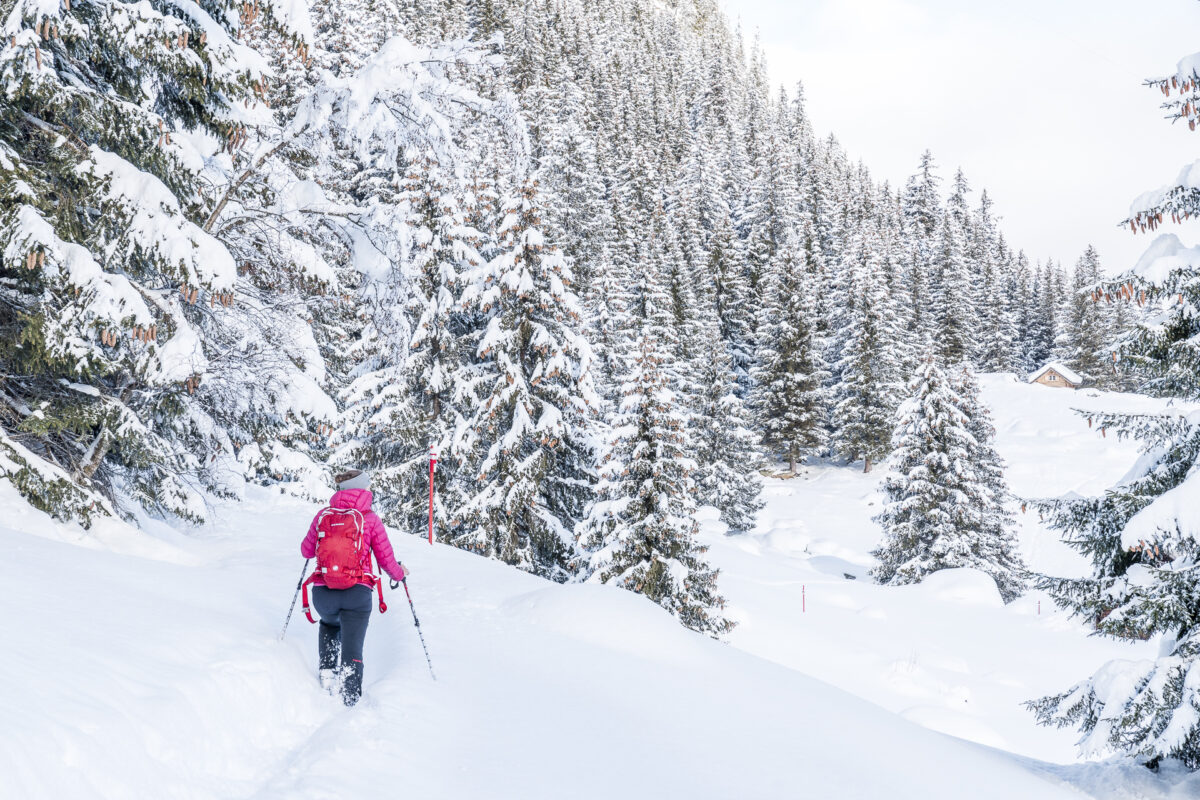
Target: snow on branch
{"x":404,"y":97}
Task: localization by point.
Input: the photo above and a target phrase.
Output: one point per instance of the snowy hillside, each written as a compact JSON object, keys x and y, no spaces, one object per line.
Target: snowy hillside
{"x":152,"y":665}
{"x":946,"y":653}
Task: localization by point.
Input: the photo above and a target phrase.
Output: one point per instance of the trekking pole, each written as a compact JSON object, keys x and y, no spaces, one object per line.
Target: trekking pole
{"x":299,"y":583}
{"x":417,"y":622}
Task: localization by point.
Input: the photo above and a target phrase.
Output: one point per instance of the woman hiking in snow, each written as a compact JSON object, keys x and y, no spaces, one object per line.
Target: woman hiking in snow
{"x":343,"y":538}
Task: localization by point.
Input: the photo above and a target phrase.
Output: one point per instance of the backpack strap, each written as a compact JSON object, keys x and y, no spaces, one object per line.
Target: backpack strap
{"x":378,"y":584}
{"x":304,"y":594}
{"x":324,"y":512}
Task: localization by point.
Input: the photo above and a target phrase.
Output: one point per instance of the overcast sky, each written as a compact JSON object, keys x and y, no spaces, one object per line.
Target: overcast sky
{"x":1039,"y":101}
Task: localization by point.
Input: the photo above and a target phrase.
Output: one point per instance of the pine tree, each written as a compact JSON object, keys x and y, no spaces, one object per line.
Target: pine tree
{"x":996,"y":348}
{"x":733,"y":296}
{"x":534,"y":461}
{"x":790,"y":399}
{"x":1140,"y":536}
{"x":945,"y":491}
{"x":726,"y":476}
{"x":922,"y":202}
{"x":127,"y":327}
{"x":921,"y":216}
{"x":953,"y":297}
{"x":439,"y":376}
{"x":641,"y":531}
{"x":407,"y":221}
{"x":1027,"y":283}
{"x":999,"y":544}
{"x":868,"y":367}
{"x":1048,"y":325}
{"x":578,"y":213}
{"x":381,"y":427}
{"x":1083,"y":342}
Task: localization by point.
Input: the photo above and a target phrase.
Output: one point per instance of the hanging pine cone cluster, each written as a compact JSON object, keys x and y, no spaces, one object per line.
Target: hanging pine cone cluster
{"x":1144,"y":221}
{"x":260,"y":88}
{"x":48,"y":29}
{"x":235,"y":136}
{"x":1185,"y":108}
{"x":1125,"y":291}
{"x":145,"y":334}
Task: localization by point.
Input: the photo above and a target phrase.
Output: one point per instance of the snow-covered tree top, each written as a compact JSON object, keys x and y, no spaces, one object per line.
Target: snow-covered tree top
{"x":1164,"y":256}
{"x":1188,"y":180}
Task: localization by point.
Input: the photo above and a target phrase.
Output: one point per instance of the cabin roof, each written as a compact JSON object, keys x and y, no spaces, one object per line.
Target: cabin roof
{"x":1062,"y":369}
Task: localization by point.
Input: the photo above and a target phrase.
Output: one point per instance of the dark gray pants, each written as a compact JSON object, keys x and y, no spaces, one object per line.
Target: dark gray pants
{"x":344,"y":616}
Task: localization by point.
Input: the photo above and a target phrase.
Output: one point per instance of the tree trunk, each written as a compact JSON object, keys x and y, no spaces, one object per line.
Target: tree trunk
{"x":867,"y":464}
{"x":233,"y":187}
{"x":792,"y":459}
{"x":94,"y":457}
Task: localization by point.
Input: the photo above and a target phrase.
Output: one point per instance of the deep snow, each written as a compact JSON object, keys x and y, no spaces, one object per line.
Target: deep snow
{"x":147,"y":664}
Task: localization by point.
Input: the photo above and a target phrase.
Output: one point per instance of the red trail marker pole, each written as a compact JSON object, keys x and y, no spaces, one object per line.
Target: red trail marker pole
{"x":432,"y":464}
{"x":803,"y":600}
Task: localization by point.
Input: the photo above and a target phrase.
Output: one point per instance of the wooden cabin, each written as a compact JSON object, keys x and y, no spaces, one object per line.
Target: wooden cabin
{"x":1058,"y":376}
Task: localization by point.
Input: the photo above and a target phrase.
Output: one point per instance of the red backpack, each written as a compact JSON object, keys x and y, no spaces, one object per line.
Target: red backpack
{"x":342,"y":549}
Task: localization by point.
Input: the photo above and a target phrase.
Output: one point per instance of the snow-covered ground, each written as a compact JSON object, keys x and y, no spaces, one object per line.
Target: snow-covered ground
{"x":147,"y":664}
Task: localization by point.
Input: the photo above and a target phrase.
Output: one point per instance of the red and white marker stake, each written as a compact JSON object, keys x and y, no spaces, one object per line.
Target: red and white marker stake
{"x":432,"y":464}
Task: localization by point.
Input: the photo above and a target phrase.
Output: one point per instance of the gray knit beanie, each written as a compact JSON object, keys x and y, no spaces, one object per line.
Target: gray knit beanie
{"x":353,"y":479}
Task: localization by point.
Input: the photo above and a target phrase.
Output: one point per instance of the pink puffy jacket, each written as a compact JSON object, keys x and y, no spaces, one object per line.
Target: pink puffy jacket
{"x":373,"y":531}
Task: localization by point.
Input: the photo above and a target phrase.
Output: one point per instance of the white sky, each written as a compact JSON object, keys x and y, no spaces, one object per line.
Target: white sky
{"x":1039,"y":101}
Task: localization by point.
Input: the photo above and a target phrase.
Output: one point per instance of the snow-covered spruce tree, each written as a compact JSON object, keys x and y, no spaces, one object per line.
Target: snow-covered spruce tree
{"x":944,"y":506}
{"x":1143,"y":536}
{"x":790,"y":399}
{"x":605,"y":316}
{"x":418,"y":393}
{"x":922,"y":203}
{"x":727,"y":270}
{"x":1048,"y":290}
{"x":719,"y":434}
{"x":727,"y":460}
{"x":577,"y":208}
{"x":120,"y":302}
{"x":953,"y":295}
{"x":381,"y":427}
{"x":383,"y":140}
{"x":866,"y":393}
{"x":349,"y":32}
{"x":1085,"y":335}
{"x":271,"y":366}
{"x":641,"y":530}
{"x":441,"y":376}
{"x":999,"y":542}
{"x":533,"y":426}
{"x":1025,"y":283}
{"x":997,"y":331}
